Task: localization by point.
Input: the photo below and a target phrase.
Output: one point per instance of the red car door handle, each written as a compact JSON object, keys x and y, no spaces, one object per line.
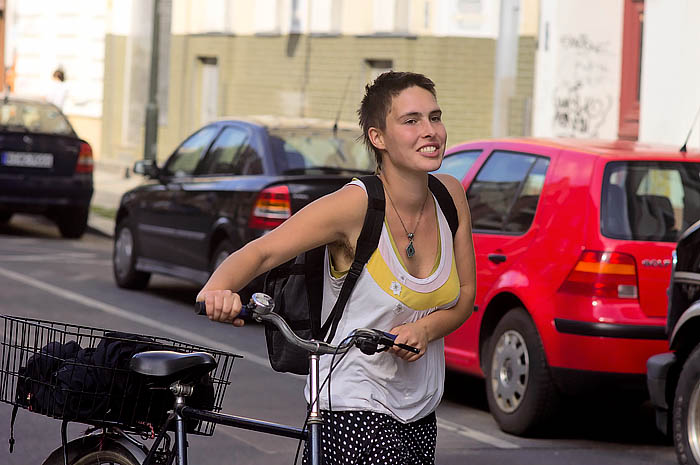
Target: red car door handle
{"x":497,"y":258}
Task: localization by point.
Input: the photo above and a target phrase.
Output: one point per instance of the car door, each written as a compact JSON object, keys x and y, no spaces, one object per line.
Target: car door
{"x":202,"y":196}
{"x":160,"y":227}
{"x":503,"y":199}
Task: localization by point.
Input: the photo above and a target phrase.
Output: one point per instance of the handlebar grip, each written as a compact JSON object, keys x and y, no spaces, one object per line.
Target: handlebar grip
{"x":200,"y":308}
{"x":402,"y":346}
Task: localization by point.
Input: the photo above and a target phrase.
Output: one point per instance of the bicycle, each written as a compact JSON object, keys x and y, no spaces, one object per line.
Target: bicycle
{"x":177,"y":367}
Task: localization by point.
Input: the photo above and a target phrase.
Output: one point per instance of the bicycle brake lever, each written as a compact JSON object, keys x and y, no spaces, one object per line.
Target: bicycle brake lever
{"x":392,"y":338}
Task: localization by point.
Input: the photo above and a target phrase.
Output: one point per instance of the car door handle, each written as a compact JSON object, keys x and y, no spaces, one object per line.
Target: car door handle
{"x":497,"y":258}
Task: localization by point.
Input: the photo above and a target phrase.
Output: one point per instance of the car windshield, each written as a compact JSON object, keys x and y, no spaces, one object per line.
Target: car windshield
{"x":33,"y":117}
{"x":649,"y":201}
{"x":304,"y":150}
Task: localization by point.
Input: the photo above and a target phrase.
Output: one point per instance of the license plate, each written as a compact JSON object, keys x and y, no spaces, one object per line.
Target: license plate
{"x":27,"y":159}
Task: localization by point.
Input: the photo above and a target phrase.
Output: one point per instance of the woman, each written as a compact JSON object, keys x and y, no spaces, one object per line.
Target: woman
{"x":419,"y":284}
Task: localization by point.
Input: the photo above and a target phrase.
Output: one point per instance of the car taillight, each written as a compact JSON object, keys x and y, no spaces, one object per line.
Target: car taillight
{"x":85,"y":163}
{"x":603,"y":274}
{"x":271,"y":208}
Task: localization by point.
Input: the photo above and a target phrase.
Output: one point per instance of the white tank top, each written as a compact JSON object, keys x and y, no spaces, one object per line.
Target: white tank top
{"x":386,"y":296}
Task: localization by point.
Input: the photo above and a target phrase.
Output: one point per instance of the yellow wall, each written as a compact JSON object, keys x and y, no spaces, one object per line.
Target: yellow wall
{"x":299,"y":75}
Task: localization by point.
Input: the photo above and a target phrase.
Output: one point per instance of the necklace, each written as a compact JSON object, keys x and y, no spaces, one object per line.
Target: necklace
{"x":410,"y":250}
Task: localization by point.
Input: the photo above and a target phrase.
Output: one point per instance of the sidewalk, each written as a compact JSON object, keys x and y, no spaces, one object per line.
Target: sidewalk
{"x":111,"y":180}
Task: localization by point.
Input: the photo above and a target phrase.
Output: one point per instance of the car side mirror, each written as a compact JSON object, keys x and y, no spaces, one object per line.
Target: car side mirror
{"x":147,"y":168}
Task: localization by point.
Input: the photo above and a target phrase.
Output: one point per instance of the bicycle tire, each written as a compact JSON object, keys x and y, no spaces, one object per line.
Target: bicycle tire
{"x":110,"y":454}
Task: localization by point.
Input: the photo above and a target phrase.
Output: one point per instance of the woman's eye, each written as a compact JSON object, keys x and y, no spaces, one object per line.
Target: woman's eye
{"x":436,"y":118}
{"x":410,"y":121}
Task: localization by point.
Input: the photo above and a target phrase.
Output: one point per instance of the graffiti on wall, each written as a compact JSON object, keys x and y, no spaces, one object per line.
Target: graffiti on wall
{"x":582,"y":94}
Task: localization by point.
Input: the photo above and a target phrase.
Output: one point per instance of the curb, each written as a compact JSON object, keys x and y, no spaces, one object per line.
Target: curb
{"x":100,"y":225}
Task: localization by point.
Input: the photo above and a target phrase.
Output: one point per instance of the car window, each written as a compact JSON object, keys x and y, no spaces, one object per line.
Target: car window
{"x":504,"y":194}
{"x":232,"y":154}
{"x":649,"y":201}
{"x":34,"y":117}
{"x":457,"y":164}
{"x":304,"y":149}
{"x":185,"y":159}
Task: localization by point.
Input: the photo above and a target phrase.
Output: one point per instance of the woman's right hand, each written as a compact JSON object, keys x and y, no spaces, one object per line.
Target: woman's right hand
{"x":223,"y":306}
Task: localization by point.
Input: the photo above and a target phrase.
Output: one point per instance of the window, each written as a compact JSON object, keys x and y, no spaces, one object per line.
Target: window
{"x":649,"y":201}
{"x":34,"y":117}
{"x":505,"y":192}
{"x":186,"y":158}
{"x":303,"y":150}
{"x":232,"y":154}
{"x":457,"y":164}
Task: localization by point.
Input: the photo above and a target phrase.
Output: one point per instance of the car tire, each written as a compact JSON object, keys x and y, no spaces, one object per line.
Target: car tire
{"x":686,"y":411}
{"x":520,"y":391}
{"x":223,"y":250}
{"x":5,"y":217}
{"x":72,"y":222}
{"x":124,"y":255}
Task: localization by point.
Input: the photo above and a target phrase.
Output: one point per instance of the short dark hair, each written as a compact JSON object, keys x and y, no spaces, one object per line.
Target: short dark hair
{"x":59,"y":74}
{"x":376,"y":102}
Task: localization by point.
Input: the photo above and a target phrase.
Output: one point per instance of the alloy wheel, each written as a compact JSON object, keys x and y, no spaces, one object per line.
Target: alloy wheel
{"x":509,"y":370}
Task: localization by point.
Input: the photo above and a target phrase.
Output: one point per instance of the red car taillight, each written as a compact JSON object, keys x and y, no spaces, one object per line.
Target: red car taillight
{"x":271,"y":208}
{"x":85,"y":162}
{"x":603,"y":274}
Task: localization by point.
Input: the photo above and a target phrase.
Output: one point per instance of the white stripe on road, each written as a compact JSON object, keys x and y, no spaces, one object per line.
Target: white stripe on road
{"x":142,"y":320}
{"x":198,"y":339}
{"x":475,"y":435}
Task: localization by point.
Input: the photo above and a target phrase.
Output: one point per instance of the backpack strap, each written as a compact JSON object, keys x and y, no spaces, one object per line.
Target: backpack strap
{"x":367,"y":243}
{"x":447,"y":204}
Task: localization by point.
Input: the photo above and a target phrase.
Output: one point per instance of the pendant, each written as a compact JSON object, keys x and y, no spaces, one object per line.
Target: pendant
{"x":410,"y":251}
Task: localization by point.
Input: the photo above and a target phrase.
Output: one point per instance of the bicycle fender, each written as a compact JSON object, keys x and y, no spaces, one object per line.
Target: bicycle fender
{"x":78,"y":446}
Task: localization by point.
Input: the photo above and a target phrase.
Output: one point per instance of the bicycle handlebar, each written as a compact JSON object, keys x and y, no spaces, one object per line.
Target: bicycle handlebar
{"x":367,"y":340}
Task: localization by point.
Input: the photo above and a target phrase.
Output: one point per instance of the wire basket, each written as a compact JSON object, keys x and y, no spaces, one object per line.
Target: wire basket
{"x":78,"y":373}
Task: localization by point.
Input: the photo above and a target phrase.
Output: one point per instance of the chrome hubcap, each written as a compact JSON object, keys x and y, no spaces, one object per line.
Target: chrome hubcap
{"x":694,"y":422}
{"x":509,"y":371}
{"x":123,"y":251}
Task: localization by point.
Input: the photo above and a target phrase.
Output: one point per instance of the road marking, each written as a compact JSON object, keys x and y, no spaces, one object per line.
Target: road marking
{"x":198,"y":339}
{"x":475,"y":435}
{"x":142,"y":320}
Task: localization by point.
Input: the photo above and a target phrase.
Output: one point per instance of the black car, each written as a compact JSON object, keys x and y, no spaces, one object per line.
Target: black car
{"x":673,"y":377}
{"x":45,"y":168}
{"x":225,"y":185}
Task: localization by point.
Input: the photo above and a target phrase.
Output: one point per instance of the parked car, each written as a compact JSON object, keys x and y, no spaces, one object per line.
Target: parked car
{"x":674,"y":377}
{"x":45,"y":168}
{"x":573,"y":244}
{"x":225,"y":185}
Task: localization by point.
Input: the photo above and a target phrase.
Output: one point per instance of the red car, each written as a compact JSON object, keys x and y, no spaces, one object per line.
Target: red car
{"x":573,"y":244}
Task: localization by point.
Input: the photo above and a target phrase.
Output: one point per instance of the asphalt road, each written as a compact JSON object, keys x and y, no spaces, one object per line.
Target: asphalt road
{"x":46,"y":277}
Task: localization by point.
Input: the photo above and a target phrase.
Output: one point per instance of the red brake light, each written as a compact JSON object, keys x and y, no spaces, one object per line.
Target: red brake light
{"x":85,"y":162}
{"x":603,"y":274}
{"x":271,"y":208}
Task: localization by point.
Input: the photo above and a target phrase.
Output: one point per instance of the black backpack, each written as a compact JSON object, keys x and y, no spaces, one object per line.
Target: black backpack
{"x":297,"y":285}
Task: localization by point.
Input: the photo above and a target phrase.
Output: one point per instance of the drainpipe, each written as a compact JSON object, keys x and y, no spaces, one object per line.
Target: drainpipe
{"x":151,"y":136}
{"x":506,"y":65}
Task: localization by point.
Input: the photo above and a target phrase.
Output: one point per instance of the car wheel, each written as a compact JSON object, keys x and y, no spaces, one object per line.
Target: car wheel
{"x":222,"y":251}
{"x":519,"y":387}
{"x":5,"y":217}
{"x":686,"y":411}
{"x":124,"y":259}
{"x":72,"y":222}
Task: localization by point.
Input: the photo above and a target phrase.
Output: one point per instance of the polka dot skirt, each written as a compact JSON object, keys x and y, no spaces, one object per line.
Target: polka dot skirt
{"x":370,"y":438}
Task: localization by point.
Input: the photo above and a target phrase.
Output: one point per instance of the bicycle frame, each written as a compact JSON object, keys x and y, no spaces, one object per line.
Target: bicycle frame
{"x":181,"y":412}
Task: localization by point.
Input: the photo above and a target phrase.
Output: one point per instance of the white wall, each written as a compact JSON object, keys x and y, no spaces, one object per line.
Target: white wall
{"x":577,"y":74}
{"x":42,"y":35}
{"x":670,"y":94}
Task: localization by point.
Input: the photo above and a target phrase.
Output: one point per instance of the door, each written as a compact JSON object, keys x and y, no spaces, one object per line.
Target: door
{"x":160,"y":230}
{"x":503,"y":199}
{"x":209,"y":90}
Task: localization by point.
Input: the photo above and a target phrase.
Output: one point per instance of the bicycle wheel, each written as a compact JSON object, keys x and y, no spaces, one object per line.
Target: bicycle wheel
{"x":109,"y":454}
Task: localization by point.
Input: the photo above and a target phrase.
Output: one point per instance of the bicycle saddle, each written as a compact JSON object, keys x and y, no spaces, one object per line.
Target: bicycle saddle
{"x":177,"y":365}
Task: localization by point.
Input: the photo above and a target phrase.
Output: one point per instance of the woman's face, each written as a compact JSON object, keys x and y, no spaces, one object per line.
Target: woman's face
{"x":414,"y":136}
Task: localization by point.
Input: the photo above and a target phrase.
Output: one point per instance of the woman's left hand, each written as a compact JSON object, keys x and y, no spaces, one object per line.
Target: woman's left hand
{"x":411,"y":334}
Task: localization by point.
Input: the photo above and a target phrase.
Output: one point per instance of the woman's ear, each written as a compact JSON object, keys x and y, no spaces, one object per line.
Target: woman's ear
{"x":376,"y":138}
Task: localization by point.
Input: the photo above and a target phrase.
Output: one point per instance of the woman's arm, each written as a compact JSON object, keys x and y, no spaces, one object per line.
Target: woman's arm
{"x":331,"y":218}
{"x":440,"y":323}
